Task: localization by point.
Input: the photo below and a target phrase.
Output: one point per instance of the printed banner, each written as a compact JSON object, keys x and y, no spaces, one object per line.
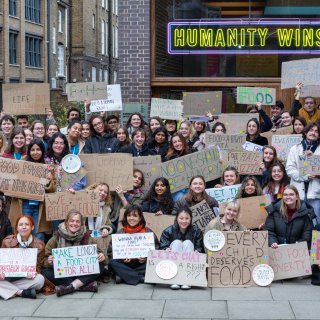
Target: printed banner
{"x":283,"y":144}
{"x":166,"y":108}
{"x":315,"y":247}
{"x":201,"y":215}
{"x":80,"y":91}
{"x":225,"y":193}
{"x":245,"y":162}
{"x":309,"y":165}
{"x":230,"y":142}
{"x":252,"y":95}
{"x":112,"y":103}
{"x":236,"y":122}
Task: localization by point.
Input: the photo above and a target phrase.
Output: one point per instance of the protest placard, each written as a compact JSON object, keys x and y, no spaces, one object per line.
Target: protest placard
{"x":23,"y":179}
{"x":280,"y":131}
{"x":252,"y":95}
{"x":310,"y":91}
{"x":17,"y":262}
{"x":129,"y":108}
{"x":113,"y":168}
{"x":199,"y":103}
{"x":69,"y":179}
{"x":236,"y":122}
{"x":249,"y":146}
{"x":304,"y":70}
{"x":232,"y":266}
{"x":179,"y":171}
{"x":283,"y":144}
{"x":148,"y":165}
{"x":290,"y":261}
{"x":225,"y":193}
{"x":315,"y":247}
{"x":60,"y":203}
{"x":231,"y":142}
{"x":25,"y":98}
{"x":202,"y":214}
{"x":168,"y":267}
{"x":166,"y":108}
{"x":112,"y":103}
{"x":132,"y":246}
{"x":80,"y":91}
{"x":309,"y":165}
{"x":75,"y":261}
{"x":245,"y":162}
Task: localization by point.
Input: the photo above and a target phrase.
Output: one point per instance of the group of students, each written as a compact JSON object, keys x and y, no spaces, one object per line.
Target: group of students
{"x":294,"y":212}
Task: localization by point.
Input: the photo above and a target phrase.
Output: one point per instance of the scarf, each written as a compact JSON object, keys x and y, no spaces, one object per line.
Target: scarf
{"x":67,"y":239}
{"x":306,"y":145}
{"x":24,"y":244}
{"x":316,"y":116}
{"x":95,"y":223}
{"x":139,"y":229}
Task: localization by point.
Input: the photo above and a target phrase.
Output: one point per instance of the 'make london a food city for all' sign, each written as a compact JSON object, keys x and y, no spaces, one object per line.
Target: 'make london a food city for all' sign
{"x":264,"y":36}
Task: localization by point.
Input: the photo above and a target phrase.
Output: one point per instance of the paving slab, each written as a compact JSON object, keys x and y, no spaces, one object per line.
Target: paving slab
{"x":130,"y":308}
{"x":75,"y":295}
{"x":195,"y":309}
{"x":306,"y":309}
{"x":29,"y":318}
{"x":260,"y":310}
{"x":252,"y":293}
{"x":19,"y":307}
{"x":163,"y":292}
{"x":69,"y":308}
{"x":296,"y":292}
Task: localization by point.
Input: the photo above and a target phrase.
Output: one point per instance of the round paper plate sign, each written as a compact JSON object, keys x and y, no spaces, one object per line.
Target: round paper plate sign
{"x":214,"y":240}
{"x":262,"y":275}
{"x":71,"y":163}
{"x":166,"y":269}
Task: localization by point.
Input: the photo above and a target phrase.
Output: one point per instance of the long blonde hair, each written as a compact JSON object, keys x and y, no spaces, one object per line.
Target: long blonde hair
{"x":283,"y":206}
{"x":94,"y":186}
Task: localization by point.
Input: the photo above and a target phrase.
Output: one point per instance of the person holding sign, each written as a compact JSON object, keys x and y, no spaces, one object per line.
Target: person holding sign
{"x":230,"y":177}
{"x":286,"y":119}
{"x":289,"y":220}
{"x":219,"y":128}
{"x":159,"y":143}
{"x":131,"y":271}
{"x":299,"y":123}
{"x":76,"y":144}
{"x":250,"y":187}
{"x":253,"y":133}
{"x":182,"y":236}
{"x":178,"y":147}
{"x":171,"y":126}
{"x":189,"y":133}
{"x":72,"y":233}
{"x":16,"y":148}
{"x":154,"y":123}
{"x":138,"y":147}
{"x":25,"y":287}
{"x":38,"y":131}
{"x":267,"y":124}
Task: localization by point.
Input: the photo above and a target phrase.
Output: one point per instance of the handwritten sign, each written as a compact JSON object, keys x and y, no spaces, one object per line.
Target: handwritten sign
{"x":304,"y":70}
{"x":262,"y":275}
{"x":23,"y":179}
{"x":225,"y":193}
{"x":279,"y":131}
{"x":179,"y":171}
{"x":18,"y":262}
{"x":252,"y":95}
{"x":201,"y":215}
{"x":129,"y":108}
{"x":59,"y":204}
{"x":26,"y":98}
{"x":231,"y":142}
{"x":69,"y":179}
{"x":166,"y":108}
{"x":112,"y":103}
{"x":244,"y":162}
{"x":249,"y":146}
{"x":75,"y":261}
{"x":309,"y":165}
{"x":80,"y":91}
{"x":132,"y":246}
{"x":236,"y":122}
{"x":189,"y":268}
{"x":199,"y":103}
{"x":290,"y":261}
{"x":115,"y":169}
{"x":315,"y":247}
{"x":283,"y":143}
{"x":232,"y":266}
{"x":310,"y":91}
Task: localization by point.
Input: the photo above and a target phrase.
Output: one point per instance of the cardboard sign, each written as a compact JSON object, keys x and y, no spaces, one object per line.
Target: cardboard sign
{"x":26,"y":98}
{"x":69,"y":179}
{"x":179,"y":171}
{"x":18,"y":262}
{"x":232,"y":266}
{"x":230,"y":142}
{"x":309,"y":165}
{"x":283,"y":143}
{"x":201,"y":215}
{"x":148,"y":165}
{"x":249,"y":146}
{"x":225,"y":193}
{"x":59,"y":204}
{"x":280,"y":131}
{"x":315,"y":247}
{"x":132,"y":246}
{"x":166,"y":108}
{"x":244,"y":162}
{"x":252,"y":95}
{"x":112,"y":103}
{"x":75,"y":261}
{"x":236,"y":122}
{"x":129,"y":108}
{"x":188,"y":268}
{"x":23,"y":179}
{"x":310,"y":91}
{"x":304,"y":70}
{"x":80,"y":91}
{"x":199,"y":103}
{"x":114,"y":169}
{"x":290,"y":261}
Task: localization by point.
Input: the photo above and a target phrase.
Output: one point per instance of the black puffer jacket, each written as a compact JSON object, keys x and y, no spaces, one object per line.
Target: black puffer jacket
{"x":173,"y":233}
{"x":131,"y":148}
{"x":297,"y":230}
{"x":101,"y":144}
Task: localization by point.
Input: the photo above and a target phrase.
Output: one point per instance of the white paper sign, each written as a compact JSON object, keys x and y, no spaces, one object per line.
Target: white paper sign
{"x":132,"y":246}
{"x":113,"y":103}
{"x":225,"y":193}
{"x":166,"y":269}
{"x":166,"y":108}
{"x":262,"y":275}
{"x":249,"y":146}
{"x":214,"y":240}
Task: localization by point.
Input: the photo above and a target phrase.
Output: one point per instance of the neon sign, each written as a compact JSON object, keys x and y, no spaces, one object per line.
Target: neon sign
{"x":244,"y":37}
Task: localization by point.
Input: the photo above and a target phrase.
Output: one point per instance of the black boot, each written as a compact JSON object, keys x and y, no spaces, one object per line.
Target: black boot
{"x":29,"y":293}
{"x":63,"y":290}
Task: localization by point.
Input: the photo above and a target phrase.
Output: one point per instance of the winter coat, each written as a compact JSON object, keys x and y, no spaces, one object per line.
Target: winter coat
{"x":161,"y":152}
{"x":267,"y":124}
{"x":154,"y":206}
{"x":281,"y":231}
{"x":173,"y":232}
{"x":216,"y":224}
{"x":131,"y":148}
{"x":259,"y":140}
{"x":297,"y":109}
{"x":5,"y":226}
{"x":212,"y":202}
{"x":101,"y":144}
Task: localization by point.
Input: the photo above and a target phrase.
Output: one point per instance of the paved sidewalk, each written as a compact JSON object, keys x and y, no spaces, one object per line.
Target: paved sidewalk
{"x":292,"y":299}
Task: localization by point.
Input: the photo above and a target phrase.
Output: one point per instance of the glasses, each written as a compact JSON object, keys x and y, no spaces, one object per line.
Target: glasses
{"x":97,"y":124}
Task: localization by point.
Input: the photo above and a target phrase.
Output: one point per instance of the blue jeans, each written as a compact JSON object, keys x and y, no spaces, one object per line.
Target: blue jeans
{"x":33,"y":211}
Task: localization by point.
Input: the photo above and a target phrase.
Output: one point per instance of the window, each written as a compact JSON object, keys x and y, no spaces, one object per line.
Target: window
{"x":54,"y":40}
{"x":94,"y":74}
{"x":60,"y":21}
{"x":61,"y":60}
{"x":33,"y":10}
{"x":33,"y":51}
{"x":93,"y":21}
{"x":102,"y":37}
{"x":13,"y":7}
{"x":13,"y":36}
{"x":115,"y":41}
{"x":106,"y":76}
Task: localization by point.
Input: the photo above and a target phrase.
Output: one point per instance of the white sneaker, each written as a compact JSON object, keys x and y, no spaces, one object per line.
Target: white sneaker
{"x":185,"y":287}
{"x":175,"y":287}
